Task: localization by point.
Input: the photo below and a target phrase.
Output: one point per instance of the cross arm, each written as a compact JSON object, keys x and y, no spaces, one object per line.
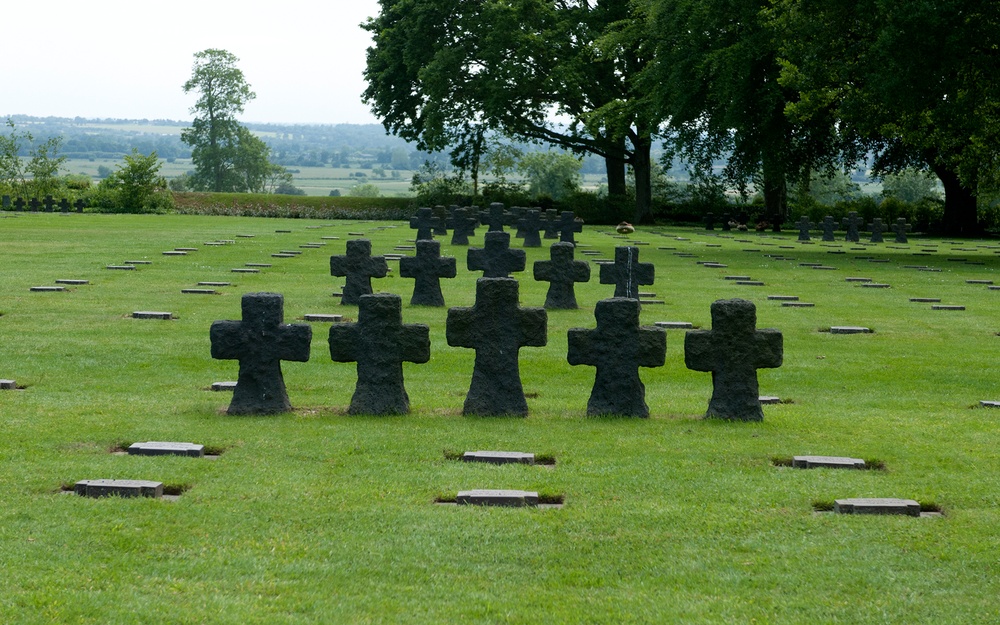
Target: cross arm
{"x":769,"y":346}
{"x":415,"y":343}
{"x":345,"y":339}
{"x":699,"y":350}
{"x":652,"y":348}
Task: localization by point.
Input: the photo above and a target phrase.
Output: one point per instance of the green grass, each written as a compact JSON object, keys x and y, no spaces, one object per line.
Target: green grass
{"x":316,"y":516}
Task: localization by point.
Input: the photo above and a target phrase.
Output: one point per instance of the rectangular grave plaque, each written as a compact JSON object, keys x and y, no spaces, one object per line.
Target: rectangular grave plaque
{"x":508,"y":498}
{"x":742,"y":278}
{"x":925,"y":300}
{"x":223,"y":386}
{"x":47,"y":289}
{"x":856,"y":279}
{"x":499,"y":457}
{"x":783,"y":298}
{"x":849,"y":330}
{"x":214,"y":283}
{"x":138,"y":262}
{"x":675,"y":325}
{"x":8,"y":385}
{"x":259,"y":265}
{"x":798,"y":305}
{"x":121,"y":488}
{"x":200,"y":291}
{"x":121,"y":267}
{"x":832,"y":462}
{"x":163,"y":448}
{"x":244,"y":270}
{"x":323,"y":317}
{"x":149,"y":314}
{"x":877,"y":505}
{"x":946,"y":307}
{"x":73,"y":282}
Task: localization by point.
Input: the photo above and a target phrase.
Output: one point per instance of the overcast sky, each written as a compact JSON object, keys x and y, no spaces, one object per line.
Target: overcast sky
{"x":129,"y":58}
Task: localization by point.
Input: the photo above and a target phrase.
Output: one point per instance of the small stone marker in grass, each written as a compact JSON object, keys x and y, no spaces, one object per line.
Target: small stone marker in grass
{"x":849,"y":330}
{"x":47,"y":289}
{"x":291,"y":252}
{"x":8,"y":385}
{"x":496,"y":259}
{"x":506,"y":498}
{"x":215,"y":284}
{"x":675,"y":325}
{"x":379,"y":343}
{"x":749,"y":283}
{"x":359,"y":267}
{"x":925,"y":300}
{"x":858,"y":279}
{"x":784,"y":298}
{"x":259,"y":265}
{"x":497,"y":328}
{"x":561,"y":271}
{"x":282,"y":255}
{"x":174,"y":253}
{"x":627,"y":273}
{"x":323,"y":317}
{"x":737,"y":278}
{"x":162,"y":448}
{"x":769,"y":400}
{"x":223,"y":386}
{"x":967,"y":281}
{"x":150,"y":314}
{"x":982,"y":404}
{"x":72,"y":282}
{"x":825,"y":268}
{"x":138,"y":262}
{"x":877,"y":505}
{"x":185,"y":249}
{"x":831,"y":462}
{"x":798,"y":305}
{"x":733,"y":350}
{"x":121,"y":267}
{"x":946,"y":307}
{"x":283,"y":231}
{"x":200,"y":291}
{"x":427,"y":268}
{"x":119,"y":488}
{"x":244,"y":270}
{"x":876,"y":285}
{"x":617,"y":348}
{"x":499,"y":457}
{"x":260,"y":341}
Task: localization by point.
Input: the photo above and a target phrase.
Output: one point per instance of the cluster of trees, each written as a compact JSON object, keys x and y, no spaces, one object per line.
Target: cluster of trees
{"x":778,"y":88}
{"x":35,"y":175}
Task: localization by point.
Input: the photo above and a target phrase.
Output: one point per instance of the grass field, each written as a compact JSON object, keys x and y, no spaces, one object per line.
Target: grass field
{"x":320,"y":517}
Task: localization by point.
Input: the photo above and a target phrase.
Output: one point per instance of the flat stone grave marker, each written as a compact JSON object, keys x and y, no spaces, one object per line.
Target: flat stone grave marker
{"x":877,"y":505}
{"x":244,"y":270}
{"x":138,"y":262}
{"x":925,"y":300}
{"x":810,"y":264}
{"x":783,"y":298}
{"x":358,"y":266}
{"x":875,"y":285}
{"x":245,"y":236}
{"x":330,"y":238}
{"x":282,"y":255}
{"x":849,"y":330}
{"x":836,"y":252}
{"x":499,"y":457}
{"x":914,"y":266}
{"x":261,"y":265}
{"x":825,"y":268}
{"x":675,"y":325}
{"x":174,"y":253}
{"x":967,"y":281}
{"x":798,"y":305}
{"x":311,"y":246}
{"x":185,"y":249}
{"x":120,"y":488}
{"x":737,"y":278}
{"x":993,"y":288}
{"x":879,"y":260}
{"x":164,"y":448}
{"x":291,"y":252}
{"x":8,"y":385}
{"x":769,"y":400}
{"x":982,"y":404}
{"x":714,"y":265}
{"x":47,"y":289}
{"x":121,"y":267}
{"x":749,"y":283}
{"x":223,"y":386}
{"x":322,"y":317}
{"x":150,"y":314}
{"x":946,"y":307}
{"x":215,"y":284}
{"x":506,"y":498}
{"x":72,"y":282}
{"x":857,"y":279}
{"x":283,"y":231}
{"x":200,"y":291}
{"x":831,"y":462}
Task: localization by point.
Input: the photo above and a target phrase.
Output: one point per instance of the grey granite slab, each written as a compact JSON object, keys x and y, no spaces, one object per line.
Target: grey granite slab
{"x":507,"y":498}
{"x":121,"y":488}
{"x":877,"y":505}
{"x":499,"y":457}
{"x":166,"y":448}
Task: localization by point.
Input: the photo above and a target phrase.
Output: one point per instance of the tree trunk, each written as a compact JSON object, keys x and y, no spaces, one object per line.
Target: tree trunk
{"x":643,"y":179}
{"x":615,"y":166}
{"x":775,"y":193}
{"x":961,"y":216}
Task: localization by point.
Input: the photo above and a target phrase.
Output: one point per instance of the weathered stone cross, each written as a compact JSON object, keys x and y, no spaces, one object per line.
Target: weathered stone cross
{"x":497,"y":328}
{"x":64,"y":205}
{"x":379,"y":342}
{"x":495,"y":217}
{"x":733,"y":350}
{"x":618,"y":347}
{"x":551,"y":222}
{"x":804,"y":226}
{"x":496,"y":259}
{"x":851,"y":222}
{"x":423,"y":222}
{"x":568,"y":224}
{"x":828,"y":226}
{"x":627,"y":273}
{"x":359,"y":267}
{"x":877,"y":228}
{"x":260,"y":342}
{"x":34,"y":204}
{"x":530,"y":225}
{"x":49,"y":203}
{"x":901,"y":228}
{"x":440,"y":226}
{"x":427,"y":267}
{"x":561,"y":272}
{"x":463,"y":226}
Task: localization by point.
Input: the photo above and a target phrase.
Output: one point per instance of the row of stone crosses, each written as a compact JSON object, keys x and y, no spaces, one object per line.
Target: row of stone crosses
{"x":48,"y":204}
{"x":496,"y":327}
{"x":852,"y":224}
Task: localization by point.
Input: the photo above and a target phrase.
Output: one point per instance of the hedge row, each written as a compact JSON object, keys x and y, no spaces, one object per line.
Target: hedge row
{"x":294,"y":206}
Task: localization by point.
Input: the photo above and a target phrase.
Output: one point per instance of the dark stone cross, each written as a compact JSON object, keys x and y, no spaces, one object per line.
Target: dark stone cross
{"x":901,"y":228}
{"x":733,"y":350}
{"x":514,"y":216}
{"x":618,"y":347}
{"x":551,"y":223}
{"x":561,"y":272}
{"x":497,"y":328}
{"x":64,"y":205}
{"x":463,"y":226}
{"x":568,"y":224}
{"x":427,"y":267}
{"x":440,"y":226}
{"x":877,"y":228}
{"x":852,"y":222}
{"x":804,"y":226}
{"x":423,"y":223}
{"x":709,"y":220}
{"x":828,"y":226}
{"x":529,"y":225}
{"x":19,"y":204}
{"x":726,"y":218}
{"x":260,"y":342}
{"x":496,"y":259}
{"x":34,"y":204}
{"x":79,"y":204}
{"x":379,"y":342}
{"x":495,"y":217}
{"x":359,"y":267}
{"x":627,"y":273}
{"x":49,"y":203}
{"x":6,"y":202}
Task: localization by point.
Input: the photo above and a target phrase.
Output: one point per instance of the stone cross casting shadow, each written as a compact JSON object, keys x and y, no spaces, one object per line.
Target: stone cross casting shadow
{"x":618,"y":347}
{"x":440,"y":226}
{"x":49,"y":204}
{"x":495,"y":218}
{"x":568,"y":224}
{"x":379,"y":342}
{"x":901,"y":228}
{"x":260,"y":342}
{"x":79,"y":204}
{"x":463,"y":226}
{"x":828,"y":226}
{"x":551,"y":224}
{"x":852,"y":222}
{"x":496,"y":259}
{"x":514,"y":216}
{"x":64,"y":205}
{"x":497,"y":328}
{"x":733,"y":350}
{"x":359,"y":267}
{"x":427,"y":267}
{"x":423,"y":222}
{"x":19,"y":204}
{"x":627,"y":273}
{"x":530,"y":226}
{"x":877,"y":228}
{"x":804,"y":225}
{"x":561,"y":272}
{"x":34,"y":204}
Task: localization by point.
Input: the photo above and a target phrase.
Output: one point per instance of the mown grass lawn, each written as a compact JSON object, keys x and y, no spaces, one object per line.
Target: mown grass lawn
{"x":317,"y":516}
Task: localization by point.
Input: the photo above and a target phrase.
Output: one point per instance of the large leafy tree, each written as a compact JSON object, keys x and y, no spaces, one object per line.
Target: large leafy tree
{"x":912,"y":81}
{"x":444,"y":73}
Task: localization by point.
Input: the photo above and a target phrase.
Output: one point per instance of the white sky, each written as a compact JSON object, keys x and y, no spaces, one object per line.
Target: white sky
{"x":129,"y":58}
